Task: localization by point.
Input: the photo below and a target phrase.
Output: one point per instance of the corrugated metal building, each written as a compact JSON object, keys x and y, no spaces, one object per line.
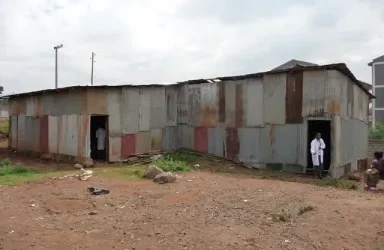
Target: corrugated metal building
{"x":264,"y":120}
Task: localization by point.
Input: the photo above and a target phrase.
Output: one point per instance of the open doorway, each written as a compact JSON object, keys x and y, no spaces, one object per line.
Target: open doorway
{"x":323,"y":127}
{"x":99,"y":137}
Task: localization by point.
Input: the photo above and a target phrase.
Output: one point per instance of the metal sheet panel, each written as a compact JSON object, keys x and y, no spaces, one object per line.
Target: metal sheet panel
{"x":44,"y":148}
{"x":216,"y":141}
{"x":53,"y":133}
{"x":144,"y":109}
{"x":253,"y":103}
{"x":183,"y":104}
{"x":201,"y":139}
{"x":128,"y":145}
{"x":222,"y":104}
{"x":14,"y":106}
{"x":13,"y":130}
{"x":336,"y":143}
{"x":143,"y":142}
{"x":274,"y":98}
{"x":113,"y":105}
{"x":356,"y":103}
{"x":279,"y":143}
{"x":194,"y":104}
{"x":97,"y":101}
{"x":171,"y":105}
{"x":314,"y":93}
{"x":350,"y":100}
{"x":75,"y":101}
{"x":230,"y":103}
{"x":51,"y":104}
{"x":21,"y":137}
{"x":84,"y":139}
{"x":129,"y":110}
{"x":294,"y":98}
{"x":232,"y":143}
{"x":347,"y":151}
{"x":169,"y":138}
{"x":158,"y":108}
{"x":68,"y":135}
{"x":32,"y":134}
{"x":156,"y":139}
{"x":209,"y":104}
{"x":334,"y":94}
{"x":249,"y":152}
{"x":30,"y":106}
{"x":114,"y":149}
{"x":239,"y":109}
{"x":302,"y":147}
{"x":185,"y":137}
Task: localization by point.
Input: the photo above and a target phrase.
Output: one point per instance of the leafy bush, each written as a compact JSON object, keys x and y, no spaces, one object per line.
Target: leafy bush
{"x":377,"y":133}
{"x":4,"y":127}
{"x":175,"y":162}
{"x":6,"y":168}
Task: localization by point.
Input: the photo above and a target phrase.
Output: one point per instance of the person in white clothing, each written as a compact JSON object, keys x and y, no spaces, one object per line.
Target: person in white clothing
{"x":317,"y":151}
{"x":100,"y":136}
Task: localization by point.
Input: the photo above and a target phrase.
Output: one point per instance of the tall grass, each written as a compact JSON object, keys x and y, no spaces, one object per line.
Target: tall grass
{"x":175,"y":162}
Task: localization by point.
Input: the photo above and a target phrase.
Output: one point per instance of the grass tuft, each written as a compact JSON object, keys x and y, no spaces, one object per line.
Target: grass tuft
{"x":281,"y":217}
{"x":337,"y":183}
{"x":11,"y":174}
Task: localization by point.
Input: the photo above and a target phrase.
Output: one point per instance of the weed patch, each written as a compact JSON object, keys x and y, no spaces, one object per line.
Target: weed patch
{"x":11,"y":174}
{"x":175,"y":162}
{"x":337,"y":183}
{"x":281,"y":217}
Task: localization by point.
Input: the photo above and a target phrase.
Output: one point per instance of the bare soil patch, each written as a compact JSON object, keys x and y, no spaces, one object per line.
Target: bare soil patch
{"x":202,"y":210}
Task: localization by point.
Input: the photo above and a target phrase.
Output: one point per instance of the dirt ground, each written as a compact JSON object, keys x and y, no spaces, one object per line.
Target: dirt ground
{"x":202,"y":210}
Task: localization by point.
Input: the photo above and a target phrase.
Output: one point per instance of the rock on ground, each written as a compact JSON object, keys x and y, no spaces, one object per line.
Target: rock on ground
{"x":47,"y":157}
{"x":78,"y":166}
{"x":152,"y":172}
{"x":84,"y":161}
{"x":165,"y":177}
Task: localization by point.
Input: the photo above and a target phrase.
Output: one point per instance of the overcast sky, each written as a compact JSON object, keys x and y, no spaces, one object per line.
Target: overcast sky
{"x":159,"y":41}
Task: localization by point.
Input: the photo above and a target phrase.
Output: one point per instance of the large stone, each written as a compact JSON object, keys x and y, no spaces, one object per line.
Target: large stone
{"x":78,"y":166}
{"x":165,"y":177}
{"x":152,"y":172}
{"x":85,"y":161}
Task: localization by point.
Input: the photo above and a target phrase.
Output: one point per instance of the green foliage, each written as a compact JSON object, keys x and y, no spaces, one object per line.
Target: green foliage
{"x":11,"y":174}
{"x":175,"y":162}
{"x":377,"y":133}
{"x":338,"y":183}
{"x":4,"y":127}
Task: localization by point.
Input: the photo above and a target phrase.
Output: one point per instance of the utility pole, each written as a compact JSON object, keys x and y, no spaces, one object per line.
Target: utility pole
{"x":93,"y":57}
{"x":56,"y":48}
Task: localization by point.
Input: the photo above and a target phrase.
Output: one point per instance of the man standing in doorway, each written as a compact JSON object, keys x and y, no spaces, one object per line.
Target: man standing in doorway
{"x":317,"y":151}
{"x":100,"y":135}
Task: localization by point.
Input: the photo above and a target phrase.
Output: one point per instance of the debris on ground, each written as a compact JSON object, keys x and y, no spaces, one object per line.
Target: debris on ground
{"x":144,"y":157}
{"x":83,"y":176}
{"x":152,"y":172}
{"x":33,"y":205}
{"x":355,"y":176}
{"x":97,"y":191}
{"x":165,"y":177}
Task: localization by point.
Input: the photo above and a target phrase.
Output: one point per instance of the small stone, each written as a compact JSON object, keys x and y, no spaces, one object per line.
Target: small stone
{"x":92,"y":213}
{"x":245,"y":201}
{"x":152,"y":172}
{"x":166,"y":177}
{"x":33,"y":205}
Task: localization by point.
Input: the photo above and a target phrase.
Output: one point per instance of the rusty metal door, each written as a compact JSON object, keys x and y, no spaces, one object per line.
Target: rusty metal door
{"x":294,"y":97}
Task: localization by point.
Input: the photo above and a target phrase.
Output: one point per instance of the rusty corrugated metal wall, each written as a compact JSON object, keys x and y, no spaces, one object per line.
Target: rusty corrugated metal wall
{"x":259,"y":121}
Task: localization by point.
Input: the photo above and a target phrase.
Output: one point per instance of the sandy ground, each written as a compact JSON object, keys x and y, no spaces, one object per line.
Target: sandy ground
{"x":201,"y":211}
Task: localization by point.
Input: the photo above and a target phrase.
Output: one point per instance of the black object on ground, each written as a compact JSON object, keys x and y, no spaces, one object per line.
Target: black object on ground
{"x":98,"y":191}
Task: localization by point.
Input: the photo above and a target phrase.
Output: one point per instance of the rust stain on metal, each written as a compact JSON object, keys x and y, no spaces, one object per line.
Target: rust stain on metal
{"x":14,"y":107}
{"x":156,"y":139}
{"x":201,"y":139}
{"x":362,"y":164}
{"x":272,"y":138}
{"x":83,"y":125}
{"x":39,"y":108}
{"x":294,"y":98}
{"x":44,"y":148}
{"x":221,"y":87}
{"x":128,"y":145}
{"x":232,"y":142}
{"x":239,"y":106}
{"x":97,"y":101}
{"x":334,"y":107}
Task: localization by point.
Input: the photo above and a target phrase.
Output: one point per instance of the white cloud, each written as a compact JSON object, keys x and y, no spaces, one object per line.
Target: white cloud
{"x":150,"y":41}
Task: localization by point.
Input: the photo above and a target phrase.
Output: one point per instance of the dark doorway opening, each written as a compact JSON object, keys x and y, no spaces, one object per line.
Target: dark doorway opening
{"x":323,"y":127}
{"x":99,"y":137}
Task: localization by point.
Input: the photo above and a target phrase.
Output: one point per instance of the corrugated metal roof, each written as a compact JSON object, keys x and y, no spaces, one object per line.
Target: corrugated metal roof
{"x":342,"y":67}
